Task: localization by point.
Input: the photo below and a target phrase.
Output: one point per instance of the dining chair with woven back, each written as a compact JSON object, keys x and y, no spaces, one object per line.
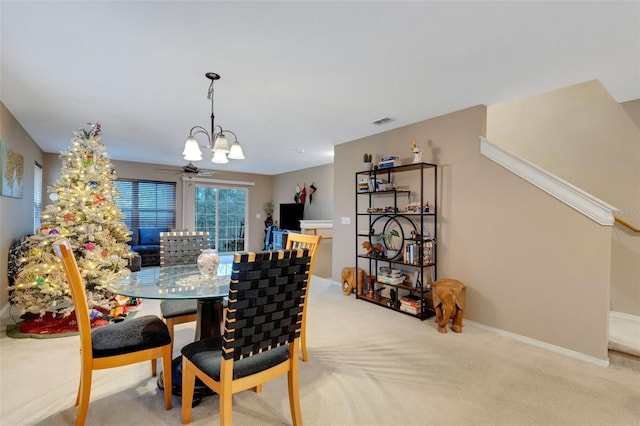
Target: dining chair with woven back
{"x":180,"y":248}
{"x":131,"y":341}
{"x":311,"y":242}
{"x":261,"y":332}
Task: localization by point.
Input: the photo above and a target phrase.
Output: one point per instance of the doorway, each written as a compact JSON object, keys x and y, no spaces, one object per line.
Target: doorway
{"x":222,"y":212}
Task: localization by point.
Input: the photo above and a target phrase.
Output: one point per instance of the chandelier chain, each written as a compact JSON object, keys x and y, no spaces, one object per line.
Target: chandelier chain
{"x":210,"y":94}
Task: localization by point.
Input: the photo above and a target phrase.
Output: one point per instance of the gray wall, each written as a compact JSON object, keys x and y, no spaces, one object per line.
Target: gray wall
{"x":13,"y":211}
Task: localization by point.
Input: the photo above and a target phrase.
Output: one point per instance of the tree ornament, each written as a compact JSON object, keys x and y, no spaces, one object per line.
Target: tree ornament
{"x":89,"y":246}
{"x":88,"y":160}
{"x":98,"y":199}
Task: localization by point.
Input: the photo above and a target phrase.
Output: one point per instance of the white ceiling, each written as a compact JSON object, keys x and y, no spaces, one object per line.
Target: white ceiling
{"x":297,"y":77}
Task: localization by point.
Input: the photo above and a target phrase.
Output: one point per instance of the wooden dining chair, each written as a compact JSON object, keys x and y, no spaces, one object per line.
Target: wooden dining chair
{"x":180,"y":248}
{"x":261,"y":332}
{"x":128,"y":342}
{"x":311,"y":242}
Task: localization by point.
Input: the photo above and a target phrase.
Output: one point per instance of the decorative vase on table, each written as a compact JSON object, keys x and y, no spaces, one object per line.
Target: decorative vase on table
{"x":208,"y":262}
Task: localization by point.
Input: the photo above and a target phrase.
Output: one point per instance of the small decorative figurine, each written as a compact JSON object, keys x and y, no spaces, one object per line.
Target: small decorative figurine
{"x":373,"y":250}
{"x":417,"y":152}
{"x":371,"y":285}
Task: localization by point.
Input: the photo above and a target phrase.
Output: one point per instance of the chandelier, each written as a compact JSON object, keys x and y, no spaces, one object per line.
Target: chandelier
{"x":218,"y":143}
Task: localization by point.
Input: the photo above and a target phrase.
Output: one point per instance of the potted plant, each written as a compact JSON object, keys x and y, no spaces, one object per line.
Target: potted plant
{"x":268,"y":209}
{"x":367,"y":162}
{"x":388,"y":238}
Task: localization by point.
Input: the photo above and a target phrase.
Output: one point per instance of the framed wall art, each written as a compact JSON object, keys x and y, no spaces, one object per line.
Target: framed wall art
{"x":12,"y":169}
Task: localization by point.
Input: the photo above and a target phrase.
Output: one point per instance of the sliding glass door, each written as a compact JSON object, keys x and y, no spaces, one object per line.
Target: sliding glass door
{"x":222,"y":212}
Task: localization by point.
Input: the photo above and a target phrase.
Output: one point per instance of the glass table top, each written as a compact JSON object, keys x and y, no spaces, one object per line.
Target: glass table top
{"x":174,"y":282}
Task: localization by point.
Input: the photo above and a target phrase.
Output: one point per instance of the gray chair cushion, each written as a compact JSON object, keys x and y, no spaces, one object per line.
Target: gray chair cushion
{"x":178,"y":308}
{"x":130,"y":336}
{"x":207,"y":355}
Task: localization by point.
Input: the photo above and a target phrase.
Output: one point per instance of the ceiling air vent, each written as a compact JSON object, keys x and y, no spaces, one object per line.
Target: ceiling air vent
{"x":381,"y":121}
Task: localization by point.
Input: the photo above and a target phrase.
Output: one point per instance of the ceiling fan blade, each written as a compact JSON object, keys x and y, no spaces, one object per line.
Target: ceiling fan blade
{"x":203,"y":172}
{"x":189,"y":170}
{"x":168,"y":170}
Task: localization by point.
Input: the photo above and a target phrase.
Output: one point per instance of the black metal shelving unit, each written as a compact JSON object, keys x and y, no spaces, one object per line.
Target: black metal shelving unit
{"x":381,"y":209}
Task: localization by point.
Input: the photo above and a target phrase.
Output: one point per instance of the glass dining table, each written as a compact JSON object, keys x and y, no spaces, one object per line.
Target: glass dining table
{"x":180,"y":282}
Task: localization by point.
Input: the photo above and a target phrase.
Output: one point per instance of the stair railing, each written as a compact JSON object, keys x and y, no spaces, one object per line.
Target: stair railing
{"x":626,"y":224}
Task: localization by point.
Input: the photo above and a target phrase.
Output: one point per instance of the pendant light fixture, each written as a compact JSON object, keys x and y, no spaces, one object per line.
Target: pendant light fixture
{"x":218,"y":143}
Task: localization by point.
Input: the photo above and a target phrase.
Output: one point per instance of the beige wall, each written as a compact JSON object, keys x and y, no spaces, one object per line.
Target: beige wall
{"x":16,"y":213}
{"x":521,"y":252}
{"x":582,"y":135}
{"x":284,"y":187}
{"x":259,"y":192}
{"x":633,"y":109}
{"x":579,"y":133}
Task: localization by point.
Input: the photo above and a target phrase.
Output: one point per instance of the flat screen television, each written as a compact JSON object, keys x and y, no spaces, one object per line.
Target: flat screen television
{"x":291,"y":215}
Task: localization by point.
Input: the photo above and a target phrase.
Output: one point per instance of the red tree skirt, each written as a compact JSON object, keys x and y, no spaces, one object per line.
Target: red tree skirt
{"x":48,"y":324}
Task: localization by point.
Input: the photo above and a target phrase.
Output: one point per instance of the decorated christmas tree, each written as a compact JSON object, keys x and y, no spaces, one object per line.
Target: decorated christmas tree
{"x":85,"y":212}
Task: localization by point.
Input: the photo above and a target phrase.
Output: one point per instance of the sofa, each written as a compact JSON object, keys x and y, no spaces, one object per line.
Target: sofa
{"x":146,"y":242}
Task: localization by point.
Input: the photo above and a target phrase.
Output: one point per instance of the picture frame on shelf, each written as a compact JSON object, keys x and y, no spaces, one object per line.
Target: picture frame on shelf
{"x":425,"y":232}
{"x":415,"y":278}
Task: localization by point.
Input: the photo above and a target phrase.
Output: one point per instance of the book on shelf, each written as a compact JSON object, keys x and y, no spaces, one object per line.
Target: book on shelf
{"x":390,"y":279}
{"x":411,"y":300}
{"x":417,"y":253}
{"x":411,"y":254}
{"x":427,"y":252}
{"x":389,"y":162}
{"x":409,"y":309}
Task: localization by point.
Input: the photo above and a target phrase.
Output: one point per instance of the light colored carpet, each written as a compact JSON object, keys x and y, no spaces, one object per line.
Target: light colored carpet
{"x":368,"y":366}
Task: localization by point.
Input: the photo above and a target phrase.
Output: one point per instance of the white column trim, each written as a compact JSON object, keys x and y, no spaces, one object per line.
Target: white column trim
{"x":585,"y":203}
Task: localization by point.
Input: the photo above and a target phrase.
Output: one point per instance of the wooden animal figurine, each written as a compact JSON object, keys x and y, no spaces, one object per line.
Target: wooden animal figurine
{"x":352,"y":278}
{"x":449,"y":301}
{"x":373,"y":250}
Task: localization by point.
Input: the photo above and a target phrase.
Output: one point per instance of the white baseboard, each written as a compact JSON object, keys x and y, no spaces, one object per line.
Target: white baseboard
{"x":544,"y":345}
{"x":622,"y":315}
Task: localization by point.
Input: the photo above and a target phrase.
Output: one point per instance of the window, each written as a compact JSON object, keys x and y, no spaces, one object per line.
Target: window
{"x":37,"y":197}
{"x":147,"y":203}
{"x":221,"y":211}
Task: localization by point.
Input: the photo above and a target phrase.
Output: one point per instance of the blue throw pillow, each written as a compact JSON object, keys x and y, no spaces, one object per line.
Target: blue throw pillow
{"x":150,"y":236}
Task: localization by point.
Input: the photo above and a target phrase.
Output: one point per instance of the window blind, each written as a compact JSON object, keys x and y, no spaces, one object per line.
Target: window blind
{"x":147,"y":203}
